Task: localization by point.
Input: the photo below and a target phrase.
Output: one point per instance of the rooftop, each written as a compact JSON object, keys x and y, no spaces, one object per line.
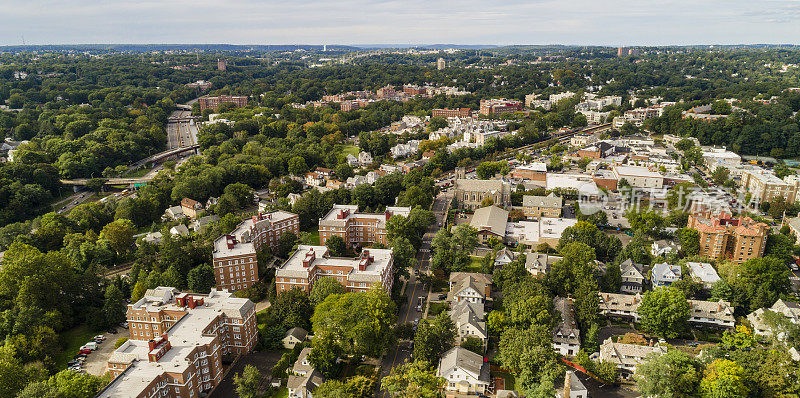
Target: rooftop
{"x":306,"y":258}
{"x":536,"y":231}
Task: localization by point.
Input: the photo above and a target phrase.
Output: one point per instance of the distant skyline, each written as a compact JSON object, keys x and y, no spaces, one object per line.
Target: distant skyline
{"x":353,"y":22}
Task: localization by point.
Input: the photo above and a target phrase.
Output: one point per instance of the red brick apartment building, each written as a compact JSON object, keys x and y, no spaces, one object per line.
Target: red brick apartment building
{"x":214,"y":102}
{"x":447,"y":112}
{"x":499,"y":106}
{"x":177,"y":341}
{"x":359,"y":274}
{"x":723,"y":237}
{"x":357,"y":228}
{"x":234,"y":256}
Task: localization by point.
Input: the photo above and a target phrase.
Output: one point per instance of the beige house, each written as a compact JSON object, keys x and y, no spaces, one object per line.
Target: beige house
{"x":294,"y":337}
{"x":465,"y":372}
{"x":490,"y":221}
{"x":541,"y":206}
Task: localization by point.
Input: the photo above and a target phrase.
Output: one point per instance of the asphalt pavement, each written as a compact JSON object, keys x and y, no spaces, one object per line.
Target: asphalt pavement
{"x":415,"y":291}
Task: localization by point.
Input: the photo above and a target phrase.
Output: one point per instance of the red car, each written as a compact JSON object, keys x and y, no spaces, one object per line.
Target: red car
{"x":87,"y":352}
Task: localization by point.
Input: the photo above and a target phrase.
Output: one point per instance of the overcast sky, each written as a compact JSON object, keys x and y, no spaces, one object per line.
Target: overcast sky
{"x":599,"y":22}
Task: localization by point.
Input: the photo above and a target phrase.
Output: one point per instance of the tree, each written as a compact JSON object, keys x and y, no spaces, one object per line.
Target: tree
{"x":324,"y":354}
{"x":201,"y":279}
{"x":722,"y":379}
{"x":95,"y":184}
{"x":742,"y":338}
{"x":473,"y":344}
{"x":612,"y":279}
{"x":120,"y":234}
{"x":292,"y":309}
{"x":324,"y":287}
{"x":690,"y":241}
{"x":114,"y":307}
{"x":414,"y":380}
{"x":664,"y":312}
{"x":247,"y":382}
{"x":285,"y":244}
{"x":361,"y":322}
{"x":527,"y":349}
{"x":336,"y":245}
{"x":297,"y":166}
{"x":70,"y":384}
{"x":544,"y":389}
{"x":720,"y":175}
{"x":673,"y":374}
{"x":434,"y":337}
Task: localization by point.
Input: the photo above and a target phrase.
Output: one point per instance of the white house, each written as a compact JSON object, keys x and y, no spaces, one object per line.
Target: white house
{"x":632,"y":277}
{"x":469,"y":286}
{"x":304,"y":379}
{"x":566,"y":336}
{"x":504,"y":257}
{"x":468,"y":318}
{"x":627,"y":356}
{"x":464,"y":371}
{"x":709,"y":313}
{"x":663,"y":247}
{"x":665,"y":274}
{"x":703,"y":273}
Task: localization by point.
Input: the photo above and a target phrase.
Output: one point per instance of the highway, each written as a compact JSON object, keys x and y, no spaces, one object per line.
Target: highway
{"x":415,"y":291}
{"x":181,"y":130}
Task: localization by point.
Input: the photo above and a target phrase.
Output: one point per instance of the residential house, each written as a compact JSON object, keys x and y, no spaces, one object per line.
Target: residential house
{"x":665,"y":274}
{"x":663,"y":247}
{"x":504,"y":257}
{"x":465,"y":372}
{"x":364,"y":158}
{"x":709,"y":313}
{"x":469,"y":286}
{"x":632,"y":277}
{"x":490,"y":221}
{"x":468,"y":318}
{"x":173,"y":213}
{"x":542,"y":206}
{"x":703,"y":273}
{"x":573,"y":387}
{"x":179,"y":230}
{"x":613,"y":305}
{"x":203,"y":222}
{"x":304,"y":378}
{"x":539,"y":263}
{"x":566,"y":335}
{"x":294,"y":337}
{"x":352,"y":161}
{"x":190,"y":207}
{"x":788,"y":309}
{"x":627,"y":357}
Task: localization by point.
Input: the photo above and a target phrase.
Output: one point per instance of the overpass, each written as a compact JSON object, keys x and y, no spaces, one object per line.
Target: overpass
{"x":163,"y":155}
{"x":111,"y":181}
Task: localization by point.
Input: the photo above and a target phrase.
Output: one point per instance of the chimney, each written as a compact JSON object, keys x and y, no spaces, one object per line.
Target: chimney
{"x":190,"y":302}
{"x":388,"y":215}
{"x":567,"y":382}
{"x":309,"y":258}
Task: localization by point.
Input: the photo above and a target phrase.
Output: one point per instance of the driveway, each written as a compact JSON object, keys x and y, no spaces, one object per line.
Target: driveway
{"x":96,"y":361}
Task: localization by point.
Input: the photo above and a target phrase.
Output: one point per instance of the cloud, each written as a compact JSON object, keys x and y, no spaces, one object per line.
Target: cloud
{"x":603,"y":22}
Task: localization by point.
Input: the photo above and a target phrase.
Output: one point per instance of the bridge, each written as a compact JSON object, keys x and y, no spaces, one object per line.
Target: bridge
{"x":163,"y":155}
{"x":111,"y":181}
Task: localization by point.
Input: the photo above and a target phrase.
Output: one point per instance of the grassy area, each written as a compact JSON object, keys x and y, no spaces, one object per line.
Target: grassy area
{"x":314,"y":235}
{"x":71,"y":341}
{"x":351,"y":150}
{"x":437,"y":308}
{"x":474,"y":264}
{"x":282,"y":393}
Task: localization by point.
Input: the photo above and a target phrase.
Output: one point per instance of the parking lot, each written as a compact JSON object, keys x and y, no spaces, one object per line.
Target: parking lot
{"x":96,"y":361}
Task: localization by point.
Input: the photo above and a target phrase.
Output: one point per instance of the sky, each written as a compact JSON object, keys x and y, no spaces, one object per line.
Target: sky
{"x":569,"y":22}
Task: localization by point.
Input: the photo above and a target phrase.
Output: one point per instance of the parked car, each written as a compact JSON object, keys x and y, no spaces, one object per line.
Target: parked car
{"x":85,"y":351}
{"x":112,"y":331}
{"x":100,"y":337}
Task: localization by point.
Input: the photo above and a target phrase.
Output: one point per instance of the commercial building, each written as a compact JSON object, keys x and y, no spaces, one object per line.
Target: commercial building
{"x":214,"y":102}
{"x":582,"y":184}
{"x":456,"y":112}
{"x":545,"y":230}
{"x":542,"y":206}
{"x":719,"y":157}
{"x":234,"y":256}
{"x":535,"y":171}
{"x":724,"y":237}
{"x":765,"y":186}
{"x":471,"y":193}
{"x":490,"y":107}
{"x":638,"y":176}
{"x":357,"y":228}
{"x":441,"y":64}
{"x":598,"y":150}
{"x":309,"y":263}
{"x":177,"y":343}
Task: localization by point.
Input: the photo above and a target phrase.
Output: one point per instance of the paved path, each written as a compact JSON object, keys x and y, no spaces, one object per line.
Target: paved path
{"x":96,"y":361}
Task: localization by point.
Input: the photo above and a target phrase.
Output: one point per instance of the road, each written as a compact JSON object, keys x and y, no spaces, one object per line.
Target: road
{"x":181,"y":130}
{"x":415,"y":291}
{"x":71,"y":202}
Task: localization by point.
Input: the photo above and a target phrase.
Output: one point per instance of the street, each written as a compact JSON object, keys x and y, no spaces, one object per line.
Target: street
{"x":181,"y":130}
{"x":415,"y":291}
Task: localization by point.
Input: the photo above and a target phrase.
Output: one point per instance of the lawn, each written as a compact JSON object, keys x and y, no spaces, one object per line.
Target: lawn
{"x":474,"y":264}
{"x":350,"y":150}
{"x":71,"y":341}
{"x":437,"y":308}
{"x":282,"y":393}
{"x":507,"y":377}
{"x":314,"y":235}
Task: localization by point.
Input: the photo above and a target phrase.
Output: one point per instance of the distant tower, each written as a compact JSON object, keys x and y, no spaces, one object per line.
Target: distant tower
{"x":324,"y":47}
{"x":222,"y":64}
{"x":440,"y":64}
{"x":460,"y":173}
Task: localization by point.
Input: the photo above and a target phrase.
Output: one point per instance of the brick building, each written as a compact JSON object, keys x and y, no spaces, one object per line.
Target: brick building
{"x":177,"y":342}
{"x":359,"y":274}
{"x":357,"y":228}
{"x":499,"y":106}
{"x":455,"y":112}
{"x":235,"y":260}
{"x":386,"y":92}
{"x":214,"y":102}
{"x":724,"y":237}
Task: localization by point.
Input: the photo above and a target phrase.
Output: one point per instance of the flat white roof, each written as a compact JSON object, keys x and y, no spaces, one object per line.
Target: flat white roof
{"x":581,"y":182}
{"x":636,"y":171}
{"x":535,"y":231}
{"x":294,"y":265}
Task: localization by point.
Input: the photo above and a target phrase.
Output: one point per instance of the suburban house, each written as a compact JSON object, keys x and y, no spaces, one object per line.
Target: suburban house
{"x":490,"y":221}
{"x":469,"y":286}
{"x":709,"y":313}
{"x":632,"y":277}
{"x":541,"y":206}
{"x":663,"y":247}
{"x":788,"y":309}
{"x":173,"y":213}
{"x":468,"y":318}
{"x":627,"y":356}
{"x":504,"y":257}
{"x":304,"y":378}
{"x":566,"y":335}
{"x":703,"y":273}
{"x":294,"y":337}
{"x":190,"y":207}
{"x":665,"y":274}
{"x":465,"y":372}
{"x":539,"y":263}
{"x":613,"y":305}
